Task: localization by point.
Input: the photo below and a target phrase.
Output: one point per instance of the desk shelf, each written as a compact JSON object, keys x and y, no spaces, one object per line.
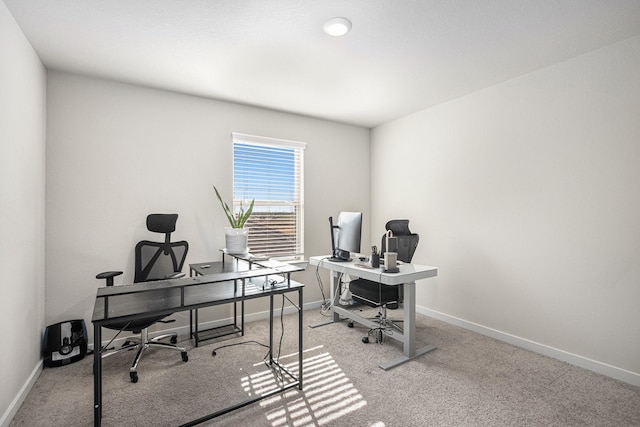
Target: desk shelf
{"x":200,"y":335}
{"x":254,"y":263}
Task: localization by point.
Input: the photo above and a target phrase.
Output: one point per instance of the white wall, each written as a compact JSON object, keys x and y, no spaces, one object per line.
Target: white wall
{"x":526,"y":197}
{"x":117,"y":152}
{"x":22,"y":172}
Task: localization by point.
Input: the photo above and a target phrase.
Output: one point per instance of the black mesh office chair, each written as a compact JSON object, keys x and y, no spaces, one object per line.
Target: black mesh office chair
{"x":376,"y":294}
{"x":153,"y":261}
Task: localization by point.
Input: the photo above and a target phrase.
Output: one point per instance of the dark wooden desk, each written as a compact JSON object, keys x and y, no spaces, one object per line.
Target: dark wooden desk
{"x":129,"y":302}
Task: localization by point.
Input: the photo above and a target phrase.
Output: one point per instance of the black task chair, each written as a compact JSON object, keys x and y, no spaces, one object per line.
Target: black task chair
{"x":386,"y":297}
{"x":153,"y":261}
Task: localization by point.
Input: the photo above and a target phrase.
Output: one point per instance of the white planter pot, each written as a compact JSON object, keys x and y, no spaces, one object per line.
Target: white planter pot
{"x":236,"y":240}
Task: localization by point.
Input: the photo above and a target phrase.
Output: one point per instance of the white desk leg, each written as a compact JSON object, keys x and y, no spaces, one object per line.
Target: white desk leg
{"x":410,"y":319}
{"x":409,"y":331}
{"x":335,"y":294}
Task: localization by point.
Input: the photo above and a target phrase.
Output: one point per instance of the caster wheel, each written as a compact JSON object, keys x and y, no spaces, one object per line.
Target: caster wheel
{"x":134,"y":377}
{"x":185,"y":356}
{"x":173,"y":340}
{"x":365,"y":340}
{"x":379,"y":337}
{"x":350,"y":324}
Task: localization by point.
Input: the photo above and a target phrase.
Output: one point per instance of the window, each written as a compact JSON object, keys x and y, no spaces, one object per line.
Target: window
{"x":271,"y":172}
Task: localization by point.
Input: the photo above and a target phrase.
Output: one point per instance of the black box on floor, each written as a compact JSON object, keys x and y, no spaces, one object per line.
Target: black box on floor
{"x":64,"y":343}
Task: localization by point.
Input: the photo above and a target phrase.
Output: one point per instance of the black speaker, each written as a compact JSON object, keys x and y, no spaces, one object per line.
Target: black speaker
{"x":64,"y":343}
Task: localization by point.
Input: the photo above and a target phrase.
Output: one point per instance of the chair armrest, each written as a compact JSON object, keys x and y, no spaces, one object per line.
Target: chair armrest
{"x":109,"y":275}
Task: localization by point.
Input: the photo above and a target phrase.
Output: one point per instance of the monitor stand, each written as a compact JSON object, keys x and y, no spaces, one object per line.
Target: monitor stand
{"x":346,"y":256}
{"x":335,"y":251}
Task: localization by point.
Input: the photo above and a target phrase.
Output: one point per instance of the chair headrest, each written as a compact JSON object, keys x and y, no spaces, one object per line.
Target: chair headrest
{"x":399,"y":227}
{"x":162,"y":223}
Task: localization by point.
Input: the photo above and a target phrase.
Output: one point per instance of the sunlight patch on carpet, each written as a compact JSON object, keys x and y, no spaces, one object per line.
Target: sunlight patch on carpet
{"x":327,"y":393}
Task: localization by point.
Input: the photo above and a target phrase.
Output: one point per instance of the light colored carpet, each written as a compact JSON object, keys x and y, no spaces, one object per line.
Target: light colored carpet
{"x":470,"y":380}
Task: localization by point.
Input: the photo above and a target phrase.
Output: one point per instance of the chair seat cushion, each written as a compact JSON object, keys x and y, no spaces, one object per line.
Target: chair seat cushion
{"x":135,"y":326}
{"x":372,"y":293}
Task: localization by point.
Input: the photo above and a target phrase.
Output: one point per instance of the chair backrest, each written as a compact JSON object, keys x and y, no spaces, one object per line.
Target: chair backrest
{"x":407,"y":241}
{"x":157,"y":260}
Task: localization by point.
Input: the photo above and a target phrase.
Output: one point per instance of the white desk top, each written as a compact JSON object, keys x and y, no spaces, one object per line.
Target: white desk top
{"x":407,"y":273}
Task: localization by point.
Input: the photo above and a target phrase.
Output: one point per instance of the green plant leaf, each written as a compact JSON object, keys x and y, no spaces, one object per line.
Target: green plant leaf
{"x":242,"y":217}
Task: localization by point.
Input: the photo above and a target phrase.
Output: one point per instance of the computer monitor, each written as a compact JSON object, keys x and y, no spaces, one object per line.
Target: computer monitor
{"x":345,"y":235}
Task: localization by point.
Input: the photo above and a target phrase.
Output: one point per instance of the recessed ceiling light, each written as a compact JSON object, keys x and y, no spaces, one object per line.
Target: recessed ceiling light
{"x":337,"y":27}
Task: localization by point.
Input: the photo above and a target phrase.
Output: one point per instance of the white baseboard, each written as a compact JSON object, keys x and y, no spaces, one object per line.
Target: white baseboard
{"x":629,"y":377}
{"x":632,"y":378}
{"x":12,"y":410}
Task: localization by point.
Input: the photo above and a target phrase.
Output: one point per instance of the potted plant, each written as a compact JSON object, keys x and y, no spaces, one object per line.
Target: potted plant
{"x":236,"y":234}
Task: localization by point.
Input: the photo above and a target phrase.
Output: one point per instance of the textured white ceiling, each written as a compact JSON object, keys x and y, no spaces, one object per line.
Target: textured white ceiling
{"x":400,"y":57}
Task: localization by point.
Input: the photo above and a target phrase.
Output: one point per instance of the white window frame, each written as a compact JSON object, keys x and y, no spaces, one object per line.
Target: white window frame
{"x":297,"y":204}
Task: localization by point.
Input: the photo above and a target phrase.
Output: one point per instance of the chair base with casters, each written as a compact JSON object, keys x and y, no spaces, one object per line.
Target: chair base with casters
{"x":140,"y":342}
{"x":370,"y":293}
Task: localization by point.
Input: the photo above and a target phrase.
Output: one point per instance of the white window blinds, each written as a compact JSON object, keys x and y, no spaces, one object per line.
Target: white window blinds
{"x":271,"y":172}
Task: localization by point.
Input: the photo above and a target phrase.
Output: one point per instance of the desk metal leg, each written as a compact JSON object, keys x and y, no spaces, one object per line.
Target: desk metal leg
{"x":241,"y":317}
{"x":271,"y":330}
{"x":196,"y":327}
{"x":97,"y":375}
{"x":300,"y":344}
{"x":410,"y":319}
{"x":409,"y":331}
{"x":191,"y":335}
